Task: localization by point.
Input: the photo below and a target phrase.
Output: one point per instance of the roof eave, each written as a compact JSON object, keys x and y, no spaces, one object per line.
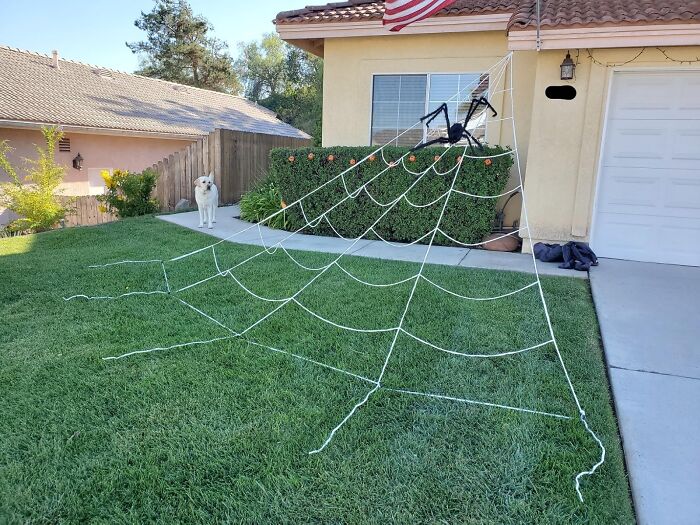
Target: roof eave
{"x":93,"y":130}
{"x":605,"y":36}
{"x":310,"y":35}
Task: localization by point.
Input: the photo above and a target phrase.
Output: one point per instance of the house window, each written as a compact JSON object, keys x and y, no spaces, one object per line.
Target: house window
{"x":399,"y":101}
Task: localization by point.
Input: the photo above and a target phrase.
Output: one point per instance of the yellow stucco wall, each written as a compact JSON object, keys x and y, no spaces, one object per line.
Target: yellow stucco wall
{"x":559,"y":141}
{"x":565,"y":138}
{"x":350,"y":63}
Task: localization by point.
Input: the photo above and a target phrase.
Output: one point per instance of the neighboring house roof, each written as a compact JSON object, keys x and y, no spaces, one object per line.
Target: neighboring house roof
{"x":78,"y":94}
{"x":555,"y":13}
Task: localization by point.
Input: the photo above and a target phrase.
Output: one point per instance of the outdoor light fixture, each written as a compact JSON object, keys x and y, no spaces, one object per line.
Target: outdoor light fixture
{"x":78,"y":162}
{"x":567,"y":68}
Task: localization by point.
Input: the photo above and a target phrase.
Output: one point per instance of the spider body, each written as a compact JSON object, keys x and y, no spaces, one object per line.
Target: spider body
{"x":458,"y":130}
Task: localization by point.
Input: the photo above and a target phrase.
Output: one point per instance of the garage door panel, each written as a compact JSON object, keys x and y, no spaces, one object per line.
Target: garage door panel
{"x":646,"y":98}
{"x":682,"y":195}
{"x":644,"y":238}
{"x":689,"y":101}
{"x":646,"y":191}
{"x":648,"y":198}
{"x":685,"y":147}
{"x":629,"y":190}
{"x":632,"y":145}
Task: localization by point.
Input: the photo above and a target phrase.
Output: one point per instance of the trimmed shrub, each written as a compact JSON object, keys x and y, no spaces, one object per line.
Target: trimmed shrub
{"x":129,"y":194}
{"x":262,"y":201}
{"x":295,"y":172}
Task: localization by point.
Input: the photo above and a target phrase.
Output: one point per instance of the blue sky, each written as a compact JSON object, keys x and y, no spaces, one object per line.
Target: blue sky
{"x":94,"y":31}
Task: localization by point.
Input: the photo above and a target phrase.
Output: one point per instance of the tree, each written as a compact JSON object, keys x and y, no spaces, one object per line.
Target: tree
{"x":34,"y":197}
{"x":285,"y":79}
{"x":178,"y":48}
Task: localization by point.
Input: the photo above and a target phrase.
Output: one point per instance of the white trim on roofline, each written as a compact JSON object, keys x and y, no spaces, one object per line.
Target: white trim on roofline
{"x":440,"y":24}
{"x":21,"y":124}
{"x":607,"y":37}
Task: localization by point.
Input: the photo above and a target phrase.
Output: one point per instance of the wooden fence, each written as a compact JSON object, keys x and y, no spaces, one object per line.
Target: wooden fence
{"x":236,"y":158}
{"x":86,"y":212}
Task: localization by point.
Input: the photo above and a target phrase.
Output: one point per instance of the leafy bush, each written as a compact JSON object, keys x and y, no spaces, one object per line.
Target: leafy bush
{"x":261,"y":202}
{"x":295,"y":172}
{"x":129,"y":194}
{"x":35,"y":198}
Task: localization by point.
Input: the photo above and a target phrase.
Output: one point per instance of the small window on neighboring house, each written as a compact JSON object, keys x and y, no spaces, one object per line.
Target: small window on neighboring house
{"x":399,"y":101}
{"x":64,"y":144}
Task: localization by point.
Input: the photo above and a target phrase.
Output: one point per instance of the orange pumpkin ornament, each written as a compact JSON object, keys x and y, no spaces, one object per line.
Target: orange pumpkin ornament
{"x":488,"y":162}
{"x":310,"y":156}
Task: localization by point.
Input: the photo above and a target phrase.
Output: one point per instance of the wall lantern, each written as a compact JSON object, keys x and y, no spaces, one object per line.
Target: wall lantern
{"x":567,"y":68}
{"x":78,"y":162}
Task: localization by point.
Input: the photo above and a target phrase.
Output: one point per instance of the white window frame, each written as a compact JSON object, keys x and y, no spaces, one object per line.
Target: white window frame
{"x":427,"y":94}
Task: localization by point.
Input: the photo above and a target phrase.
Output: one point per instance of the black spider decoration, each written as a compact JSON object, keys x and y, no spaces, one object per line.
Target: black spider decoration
{"x":458,"y":130}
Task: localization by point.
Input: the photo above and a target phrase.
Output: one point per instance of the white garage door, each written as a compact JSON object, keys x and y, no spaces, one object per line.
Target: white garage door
{"x":648,"y":197}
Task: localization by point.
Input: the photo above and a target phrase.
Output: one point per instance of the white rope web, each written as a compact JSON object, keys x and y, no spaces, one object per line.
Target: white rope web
{"x":498,"y":71}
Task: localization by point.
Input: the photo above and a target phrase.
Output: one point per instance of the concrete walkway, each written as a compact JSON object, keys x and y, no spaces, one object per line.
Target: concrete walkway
{"x":649,"y":317}
{"x":227,"y":225}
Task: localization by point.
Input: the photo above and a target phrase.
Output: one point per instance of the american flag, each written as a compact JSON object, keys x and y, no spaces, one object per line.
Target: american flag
{"x":399,"y":13}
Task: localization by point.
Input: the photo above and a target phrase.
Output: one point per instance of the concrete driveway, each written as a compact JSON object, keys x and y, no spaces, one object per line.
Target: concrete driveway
{"x":650,"y":322}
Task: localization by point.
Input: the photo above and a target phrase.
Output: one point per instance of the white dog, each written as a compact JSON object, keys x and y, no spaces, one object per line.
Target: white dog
{"x":207,"y":196}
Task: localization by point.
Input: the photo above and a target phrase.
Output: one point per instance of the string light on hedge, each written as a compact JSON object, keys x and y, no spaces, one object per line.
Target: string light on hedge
{"x":331,"y":157}
{"x":459,"y":159}
{"x":283,"y":204}
{"x":353,"y":162}
{"x":310,"y":156}
{"x":291,"y":158}
{"x":372,"y":158}
{"x":488,"y":162}
{"x":412,"y":158}
{"x":436,"y":158}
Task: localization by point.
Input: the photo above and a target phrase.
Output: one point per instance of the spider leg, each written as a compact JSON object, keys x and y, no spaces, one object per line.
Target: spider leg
{"x":442,"y":108}
{"x":484,"y":102}
{"x":473,"y":141}
{"x":439,"y":140}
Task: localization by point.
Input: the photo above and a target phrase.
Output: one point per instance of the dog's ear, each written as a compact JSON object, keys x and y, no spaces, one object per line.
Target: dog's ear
{"x":197,"y":182}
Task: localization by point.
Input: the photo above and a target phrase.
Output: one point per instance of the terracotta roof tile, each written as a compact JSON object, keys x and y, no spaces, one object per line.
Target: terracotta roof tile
{"x":563,"y":13}
{"x":555,"y":13}
{"x":359,"y":10}
{"x":78,"y":94}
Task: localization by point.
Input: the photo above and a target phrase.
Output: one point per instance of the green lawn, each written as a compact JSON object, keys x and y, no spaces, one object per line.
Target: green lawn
{"x":220,"y":432}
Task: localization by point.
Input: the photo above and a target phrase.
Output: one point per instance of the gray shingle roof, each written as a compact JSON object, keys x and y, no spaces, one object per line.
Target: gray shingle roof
{"x":78,"y":94}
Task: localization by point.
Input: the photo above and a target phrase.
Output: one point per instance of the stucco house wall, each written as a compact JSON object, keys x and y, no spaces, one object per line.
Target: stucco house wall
{"x":350,"y":63}
{"x":566,"y":137}
{"x":559,"y":140}
{"x":98,"y":151}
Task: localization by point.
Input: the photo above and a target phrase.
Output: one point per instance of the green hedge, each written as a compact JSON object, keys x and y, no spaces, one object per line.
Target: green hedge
{"x":466,"y":219}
